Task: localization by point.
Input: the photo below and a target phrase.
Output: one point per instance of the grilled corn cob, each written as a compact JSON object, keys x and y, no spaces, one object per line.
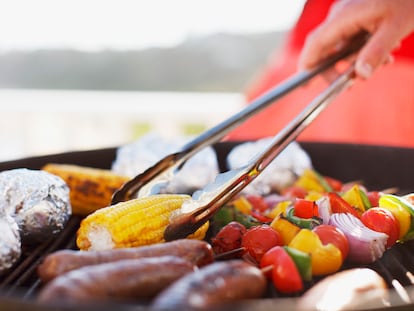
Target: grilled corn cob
{"x":132,"y":223}
{"x":90,"y":188}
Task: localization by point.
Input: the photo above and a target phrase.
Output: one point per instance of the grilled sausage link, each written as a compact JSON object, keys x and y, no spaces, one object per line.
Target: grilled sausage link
{"x":124,"y":279}
{"x":198,"y":252}
{"x":213,"y":286}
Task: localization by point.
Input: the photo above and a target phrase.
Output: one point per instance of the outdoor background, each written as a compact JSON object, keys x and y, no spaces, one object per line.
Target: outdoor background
{"x":78,"y":75}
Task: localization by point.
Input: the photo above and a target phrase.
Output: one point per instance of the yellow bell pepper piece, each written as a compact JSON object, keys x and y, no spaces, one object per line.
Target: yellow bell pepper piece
{"x":310,"y":181}
{"x":353,"y":197}
{"x":243,"y":205}
{"x":279,"y":209}
{"x":397,"y":209}
{"x":286,"y":229}
{"x":325,"y":259}
{"x":313,"y":196}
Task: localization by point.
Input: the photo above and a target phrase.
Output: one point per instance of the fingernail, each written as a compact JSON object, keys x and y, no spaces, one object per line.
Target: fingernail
{"x":363,"y":69}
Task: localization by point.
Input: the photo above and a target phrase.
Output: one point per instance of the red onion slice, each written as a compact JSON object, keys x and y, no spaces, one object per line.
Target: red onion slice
{"x":365,"y":245}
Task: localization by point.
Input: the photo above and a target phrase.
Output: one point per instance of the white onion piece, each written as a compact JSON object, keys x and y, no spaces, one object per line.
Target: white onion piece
{"x":324,"y":209}
{"x":365,"y":245}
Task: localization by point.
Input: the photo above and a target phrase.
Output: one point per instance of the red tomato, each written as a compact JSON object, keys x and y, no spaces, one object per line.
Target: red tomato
{"x":331,"y":234}
{"x":305,"y":208}
{"x":382,"y":220}
{"x":373,"y":197}
{"x":339,"y":205}
{"x":284,"y":274}
{"x":260,"y":217}
{"x":259,"y":239}
{"x":258,"y":202}
{"x":294,"y":192}
{"x":335,"y":184}
{"x":228,"y":238}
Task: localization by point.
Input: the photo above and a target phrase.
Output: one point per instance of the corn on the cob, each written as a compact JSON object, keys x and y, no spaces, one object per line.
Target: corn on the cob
{"x":90,"y":188}
{"x":132,"y":223}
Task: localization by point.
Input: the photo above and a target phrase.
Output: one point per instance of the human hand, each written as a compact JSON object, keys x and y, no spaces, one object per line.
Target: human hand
{"x":387,"y":21}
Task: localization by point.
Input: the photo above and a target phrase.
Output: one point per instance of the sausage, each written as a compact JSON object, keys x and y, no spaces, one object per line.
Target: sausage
{"x":57,"y":263}
{"x":213,"y":286}
{"x":124,"y":279}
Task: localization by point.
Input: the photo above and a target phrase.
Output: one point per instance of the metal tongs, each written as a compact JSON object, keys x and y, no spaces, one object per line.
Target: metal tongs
{"x":207,"y":201}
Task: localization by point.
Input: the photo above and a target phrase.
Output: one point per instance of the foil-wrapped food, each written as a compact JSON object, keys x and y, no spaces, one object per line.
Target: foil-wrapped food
{"x":134,"y":158}
{"x":10,"y":243}
{"x":36,"y":203}
{"x":280,"y":173}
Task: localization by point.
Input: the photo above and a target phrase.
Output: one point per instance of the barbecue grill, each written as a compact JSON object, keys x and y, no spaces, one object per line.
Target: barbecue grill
{"x":379,"y":167}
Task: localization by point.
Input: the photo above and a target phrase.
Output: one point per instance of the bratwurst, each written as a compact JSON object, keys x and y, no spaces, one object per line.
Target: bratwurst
{"x":129,"y":279}
{"x":213,"y":286}
{"x":198,"y":252}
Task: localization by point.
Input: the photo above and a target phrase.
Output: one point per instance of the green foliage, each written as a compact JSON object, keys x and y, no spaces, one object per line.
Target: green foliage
{"x":217,"y":63}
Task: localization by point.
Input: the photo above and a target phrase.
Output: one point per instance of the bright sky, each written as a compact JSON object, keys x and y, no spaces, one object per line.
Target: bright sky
{"x":128,"y":24}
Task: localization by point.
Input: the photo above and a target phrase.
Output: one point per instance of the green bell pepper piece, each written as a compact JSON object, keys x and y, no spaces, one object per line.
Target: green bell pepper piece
{"x":308,"y":223}
{"x":302,"y":261}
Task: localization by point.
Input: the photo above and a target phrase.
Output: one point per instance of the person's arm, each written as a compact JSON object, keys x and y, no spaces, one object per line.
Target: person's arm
{"x":388,"y":22}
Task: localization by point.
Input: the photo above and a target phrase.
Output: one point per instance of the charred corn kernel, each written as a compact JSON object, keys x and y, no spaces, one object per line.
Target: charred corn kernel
{"x":90,"y":188}
{"x":243,"y":205}
{"x":132,"y":223}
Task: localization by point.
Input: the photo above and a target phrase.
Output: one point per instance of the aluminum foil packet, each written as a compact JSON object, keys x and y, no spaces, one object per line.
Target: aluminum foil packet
{"x":280,"y":173}
{"x":134,"y":158}
{"x":10,"y":242}
{"x":37,"y":200}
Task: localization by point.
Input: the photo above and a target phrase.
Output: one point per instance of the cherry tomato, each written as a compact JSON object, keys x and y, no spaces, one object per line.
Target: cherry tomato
{"x":335,"y":184}
{"x":331,"y":234}
{"x":373,"y":197}
{"x":284,"y":274}
{"x":258,"y":202}
{"x":339,"y":205}
{"x":228,"y":238}
{"x":294,"y":192}
{"x":259,"y":239}
{"x":305,"y":208}
{"x":382,"y":220}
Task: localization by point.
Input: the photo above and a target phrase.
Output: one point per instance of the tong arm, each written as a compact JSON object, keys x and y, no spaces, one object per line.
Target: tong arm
{"x":149,"y":181}
{"x":206,"y":202}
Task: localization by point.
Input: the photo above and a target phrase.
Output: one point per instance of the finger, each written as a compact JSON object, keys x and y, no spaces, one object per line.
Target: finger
{"x":334,"y":71}
{"x":330,"y":36}
{"x":376,"y":51}
{"x":389,"y":60}
{"x":330,"y":75}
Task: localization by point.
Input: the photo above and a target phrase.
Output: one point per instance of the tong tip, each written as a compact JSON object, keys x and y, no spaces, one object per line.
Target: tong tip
{"x":181,"y":226}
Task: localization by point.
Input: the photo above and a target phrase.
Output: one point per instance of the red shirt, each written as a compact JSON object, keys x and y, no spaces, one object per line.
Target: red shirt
{"x":378,"y":111}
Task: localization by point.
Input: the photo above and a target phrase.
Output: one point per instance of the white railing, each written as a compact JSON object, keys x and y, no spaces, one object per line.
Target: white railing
{"x":36,"y":122}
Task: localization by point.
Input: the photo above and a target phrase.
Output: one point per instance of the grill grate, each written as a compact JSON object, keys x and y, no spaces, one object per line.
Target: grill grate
{"x":22,"y":280}
{"x":396,"y":267}
{"x":21,"y":285}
